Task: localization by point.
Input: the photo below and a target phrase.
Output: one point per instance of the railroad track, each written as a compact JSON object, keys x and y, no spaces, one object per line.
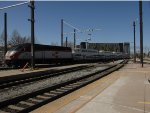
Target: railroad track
{"x":27,"y":79}
{"x":33,"y":100}
{"x":5,"y":68}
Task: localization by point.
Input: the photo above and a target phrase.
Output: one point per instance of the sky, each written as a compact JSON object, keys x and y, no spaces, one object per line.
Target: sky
{"x":114,"y":18}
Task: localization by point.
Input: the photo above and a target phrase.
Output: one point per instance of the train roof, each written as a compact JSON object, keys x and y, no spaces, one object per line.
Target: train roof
{"x":85,"y":50}
{"x":42,"y":47}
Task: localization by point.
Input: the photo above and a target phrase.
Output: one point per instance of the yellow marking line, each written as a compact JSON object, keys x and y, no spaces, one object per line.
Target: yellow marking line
{"x":144,"y":102}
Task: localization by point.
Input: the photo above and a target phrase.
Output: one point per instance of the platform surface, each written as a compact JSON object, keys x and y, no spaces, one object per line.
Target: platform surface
{"x":124,"y":91}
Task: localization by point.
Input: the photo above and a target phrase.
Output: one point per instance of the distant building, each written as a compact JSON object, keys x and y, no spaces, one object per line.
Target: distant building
{"x":127,"y":47}
{"x":115,"y":47}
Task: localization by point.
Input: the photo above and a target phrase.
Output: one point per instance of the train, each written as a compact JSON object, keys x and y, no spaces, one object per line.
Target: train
{"x":20,"y":54}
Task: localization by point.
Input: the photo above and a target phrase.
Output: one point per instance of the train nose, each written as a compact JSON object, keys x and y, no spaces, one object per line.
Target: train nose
{"x":7,"y":55}
{"x":10,"y":55}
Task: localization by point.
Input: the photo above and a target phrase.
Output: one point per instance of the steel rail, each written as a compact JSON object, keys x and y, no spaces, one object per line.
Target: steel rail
{"x":40,"y":76}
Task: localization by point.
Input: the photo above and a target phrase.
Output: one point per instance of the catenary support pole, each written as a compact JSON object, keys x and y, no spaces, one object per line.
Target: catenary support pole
{"x":134,"y":42}
{"x":62,"y":32}
{"x":74,"y":38}
{"x":5,"y":33}
{"x":66,"y":41}
{"x":32,"y":34}
{"x":141,"y":32}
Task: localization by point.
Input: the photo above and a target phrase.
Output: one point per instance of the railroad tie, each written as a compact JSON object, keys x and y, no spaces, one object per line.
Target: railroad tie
{"x":15,"y":107}
{"x":52,"y":94}
{"x":61,"y":90}
{"x":42,"y":96}
{"x":55,"y":92}
{"x":26,"y":103}
{"x":35,"y":100}
{"x":66,"y":88}
{"x":47,"y":94}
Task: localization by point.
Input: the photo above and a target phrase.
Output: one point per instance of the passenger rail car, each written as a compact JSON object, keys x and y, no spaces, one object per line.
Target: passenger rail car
{"x":21,"y":54}
{"x":85,"y":55}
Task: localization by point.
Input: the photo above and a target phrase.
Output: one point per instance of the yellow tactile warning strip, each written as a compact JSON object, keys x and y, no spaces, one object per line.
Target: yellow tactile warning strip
{"x":144,"y":102}
{"x":100,"y":84}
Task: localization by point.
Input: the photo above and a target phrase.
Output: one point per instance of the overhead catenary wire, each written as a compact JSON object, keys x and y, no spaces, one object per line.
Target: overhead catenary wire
{"x":78,"y":30}
{"x":71,"y":26}
{"x":10,"y":6}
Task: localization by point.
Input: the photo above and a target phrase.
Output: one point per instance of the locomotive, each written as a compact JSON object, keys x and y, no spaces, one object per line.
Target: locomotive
{"x":19,"y":55}
{"x":44,"y":54}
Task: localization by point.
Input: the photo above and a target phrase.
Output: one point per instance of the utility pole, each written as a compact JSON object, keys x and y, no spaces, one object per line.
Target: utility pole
{"x":134,"y":42}
{"x":141,"y":32}
{"x":66,"y":41}
{"x":62,"y":32}
{"x":74,"y":38}
{"x":32,"y":34}
{"x":5,"y":33}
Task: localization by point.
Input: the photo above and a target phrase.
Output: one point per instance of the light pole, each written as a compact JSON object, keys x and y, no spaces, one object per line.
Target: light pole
{"x":32,"y":33}
{"x":74,"y":38}
{"x":141,"y":32}
{"x":5,"y":33}
{"x":62,"y":22}
{"x":134,"y":42}
{"x":66,"y":41}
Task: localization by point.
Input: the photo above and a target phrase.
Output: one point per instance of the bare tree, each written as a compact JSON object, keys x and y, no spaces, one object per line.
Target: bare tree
{"x":16,"y":39}
{"x":1,"y":48}
{"x":69,"y":44}
{"x":2,"y":39}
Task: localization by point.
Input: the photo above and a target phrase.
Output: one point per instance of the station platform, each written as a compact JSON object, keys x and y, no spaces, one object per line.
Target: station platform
{"x":124,"y":91}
